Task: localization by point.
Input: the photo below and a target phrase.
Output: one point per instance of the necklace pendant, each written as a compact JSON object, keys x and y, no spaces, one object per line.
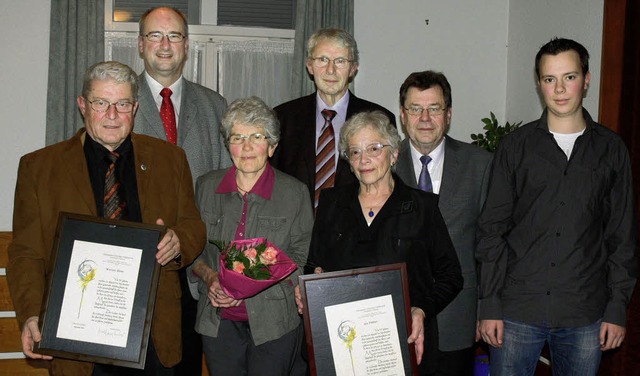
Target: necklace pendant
{"x":371,"y":213}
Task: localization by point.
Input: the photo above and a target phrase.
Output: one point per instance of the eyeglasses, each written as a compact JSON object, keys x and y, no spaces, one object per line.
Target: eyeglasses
{"x":256,"y":138}
{"x":432,"y":111}
{"x":371,"y":151}
{"x":157,"y":36}
{"x":101,"y":105}
{"x":323,"y":61}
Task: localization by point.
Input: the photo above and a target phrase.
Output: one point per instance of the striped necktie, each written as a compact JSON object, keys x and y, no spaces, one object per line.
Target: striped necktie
{"x":325,"y":156}
{"x":113,"y":204}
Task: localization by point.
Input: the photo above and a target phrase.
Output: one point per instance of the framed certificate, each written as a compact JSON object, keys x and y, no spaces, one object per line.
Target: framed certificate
{"x":357,"y":321}
{"x":102,"y":292}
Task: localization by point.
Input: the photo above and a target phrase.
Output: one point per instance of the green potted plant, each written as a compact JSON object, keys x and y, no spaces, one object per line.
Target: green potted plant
{"x":493,"y":133}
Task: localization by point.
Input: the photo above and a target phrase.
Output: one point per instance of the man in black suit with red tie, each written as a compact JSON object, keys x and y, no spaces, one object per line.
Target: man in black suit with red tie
{"x":332,"y":60}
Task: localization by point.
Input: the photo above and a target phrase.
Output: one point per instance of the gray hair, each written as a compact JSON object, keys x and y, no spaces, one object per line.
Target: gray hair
{"x":338,"y":36}
{"x":251,"y":111}
{"x":110,"y":70}
{"x":376,"y":120}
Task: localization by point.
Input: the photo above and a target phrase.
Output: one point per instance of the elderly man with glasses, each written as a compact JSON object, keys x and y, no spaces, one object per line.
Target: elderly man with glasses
{"x":153,"y":185}
{"x":311,"y":125}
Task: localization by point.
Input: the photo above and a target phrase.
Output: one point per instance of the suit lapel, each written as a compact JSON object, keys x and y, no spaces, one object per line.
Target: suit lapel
{"x":355,"y":105}
{"x":143,"y":160}
{"x":148,"y":116}
{"x":76,"y":173}
{"x":404,"y":167}
{"x":188,"y":112}
{"x":450,"y":171}
{"x":308,"y":114}
{"x":343,"y":170}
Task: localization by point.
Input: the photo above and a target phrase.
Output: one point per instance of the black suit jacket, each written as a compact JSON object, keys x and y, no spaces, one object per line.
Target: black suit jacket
{"x":409,"y":228}
{"x":296,"y":152}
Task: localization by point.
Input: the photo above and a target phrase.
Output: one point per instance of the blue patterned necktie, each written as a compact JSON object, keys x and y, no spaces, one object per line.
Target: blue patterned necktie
{"x":424,"y":181}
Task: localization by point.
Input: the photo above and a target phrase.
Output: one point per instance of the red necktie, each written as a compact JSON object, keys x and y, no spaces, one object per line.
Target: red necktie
{"x":325,"y":156}
{"x":168,"y":116}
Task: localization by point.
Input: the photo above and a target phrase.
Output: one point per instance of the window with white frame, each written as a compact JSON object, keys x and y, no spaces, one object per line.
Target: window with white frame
{"x":235,"y":60}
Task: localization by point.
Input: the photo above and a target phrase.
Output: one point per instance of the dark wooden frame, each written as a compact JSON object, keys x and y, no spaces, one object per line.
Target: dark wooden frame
{"x":72,"y":227}
{"x":327,"y":289}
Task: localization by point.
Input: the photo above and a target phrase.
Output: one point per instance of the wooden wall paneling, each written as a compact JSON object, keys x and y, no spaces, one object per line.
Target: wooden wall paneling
{"x":12,"y":362}
{"x":612,"y":63}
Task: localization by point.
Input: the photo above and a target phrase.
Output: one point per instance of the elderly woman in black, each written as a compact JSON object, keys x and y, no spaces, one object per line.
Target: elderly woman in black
{"x":380,"y":220}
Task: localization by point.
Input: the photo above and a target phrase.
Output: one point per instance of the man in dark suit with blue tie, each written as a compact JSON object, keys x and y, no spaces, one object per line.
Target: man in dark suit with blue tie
{"x":459,"y":173}
{"x":190,"y":117}
{"x":332,"y":60}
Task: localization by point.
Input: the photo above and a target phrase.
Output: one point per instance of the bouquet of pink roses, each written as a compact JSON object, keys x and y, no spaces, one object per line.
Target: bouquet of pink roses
{"x":250,"y":266}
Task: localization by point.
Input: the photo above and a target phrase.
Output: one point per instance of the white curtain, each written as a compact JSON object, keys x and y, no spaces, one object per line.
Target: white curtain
{"x":261,"y":68}
{"x":239,"y":68}
{"x":123,"y":47}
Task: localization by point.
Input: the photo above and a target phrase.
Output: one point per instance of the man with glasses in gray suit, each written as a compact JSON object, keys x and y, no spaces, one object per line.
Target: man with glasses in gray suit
{"x":459,"y":174}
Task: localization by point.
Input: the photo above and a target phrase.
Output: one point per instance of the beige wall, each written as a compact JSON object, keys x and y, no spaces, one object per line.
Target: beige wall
{"x":24,"y":37}
{"x":465,"y":40}
{"x":534,"y":23}
{"x":485,"y":48}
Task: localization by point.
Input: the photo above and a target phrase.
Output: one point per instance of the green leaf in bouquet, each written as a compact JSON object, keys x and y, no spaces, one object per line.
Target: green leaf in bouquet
{"x":258,"y":272}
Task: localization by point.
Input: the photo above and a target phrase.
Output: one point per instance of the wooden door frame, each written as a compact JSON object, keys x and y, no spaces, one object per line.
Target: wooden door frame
{"x":612,"y":63}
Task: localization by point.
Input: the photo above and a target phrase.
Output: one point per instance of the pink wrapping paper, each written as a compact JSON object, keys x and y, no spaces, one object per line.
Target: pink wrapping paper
{"x":240,"y":286}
